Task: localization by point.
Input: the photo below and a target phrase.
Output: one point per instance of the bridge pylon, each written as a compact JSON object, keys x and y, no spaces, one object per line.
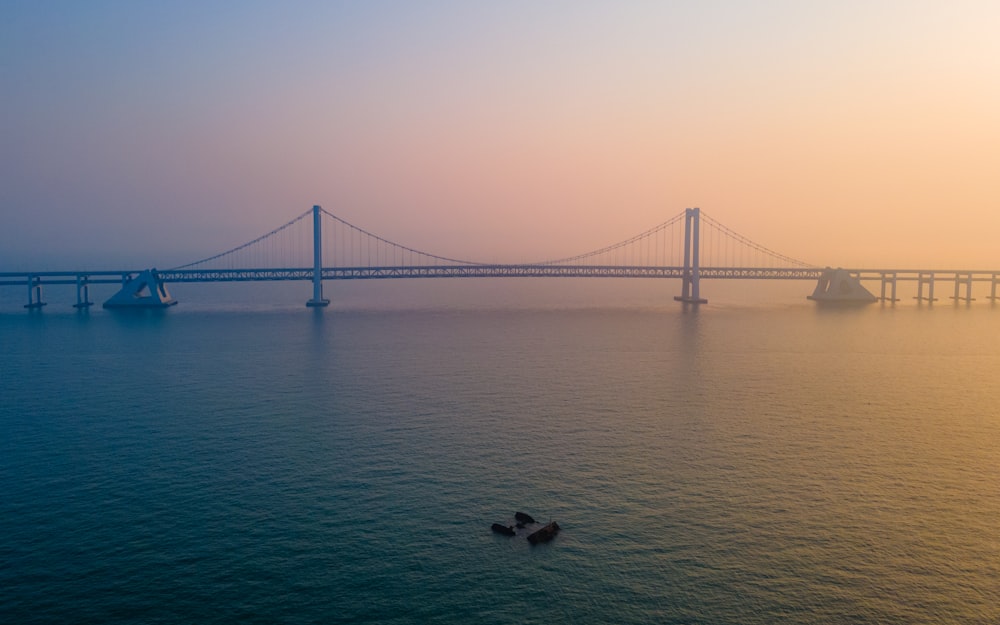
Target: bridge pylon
{"x":691,"y":285}
{"x":317,"y":300}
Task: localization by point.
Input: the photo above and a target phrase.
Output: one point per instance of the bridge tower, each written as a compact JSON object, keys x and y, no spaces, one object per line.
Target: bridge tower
{"x":690,"y":291}
{"x":317,"y":300}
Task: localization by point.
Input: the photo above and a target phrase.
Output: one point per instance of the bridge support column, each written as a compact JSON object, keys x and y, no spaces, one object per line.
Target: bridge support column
{"x":993,"y":288}
{"x":928,"y":279}
{"x":889,"y":278}
{"x":690,"y":287}
{"x":967,"y":281}
{"x":317,"y":300}
{"x":82,"y":293}
{"x":34,"y":293}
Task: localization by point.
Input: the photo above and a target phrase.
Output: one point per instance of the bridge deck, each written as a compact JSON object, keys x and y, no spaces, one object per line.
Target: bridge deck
{"x":486,"y":271}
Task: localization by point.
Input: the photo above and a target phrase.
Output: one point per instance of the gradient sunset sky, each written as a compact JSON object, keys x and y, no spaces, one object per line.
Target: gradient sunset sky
{"x":851,"y":133}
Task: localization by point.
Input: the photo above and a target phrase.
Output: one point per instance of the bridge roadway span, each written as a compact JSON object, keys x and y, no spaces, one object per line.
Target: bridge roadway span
{"x":417,"y":271}
{"x":22,"y":278}
{"x":483,"y":271}
{"x":887,"y":277}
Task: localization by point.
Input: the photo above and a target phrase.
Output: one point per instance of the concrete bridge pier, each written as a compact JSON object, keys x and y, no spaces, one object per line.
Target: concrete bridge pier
{"x":995,"y":279}
{"x":34,"y":293}
{"x":925,"y":277}
{"x":82,"y":293}
{"x":963,"y":279}
{"x":890,"y":279}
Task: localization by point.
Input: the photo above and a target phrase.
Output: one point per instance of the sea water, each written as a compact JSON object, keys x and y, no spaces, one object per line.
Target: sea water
{"x":250,"y":460}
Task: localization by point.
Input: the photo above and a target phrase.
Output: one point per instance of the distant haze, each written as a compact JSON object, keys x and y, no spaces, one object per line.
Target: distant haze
{"x":854,"y":133}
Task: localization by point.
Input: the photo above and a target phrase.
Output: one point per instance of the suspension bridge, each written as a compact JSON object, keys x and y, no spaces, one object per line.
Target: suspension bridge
{"x":318,"y":246}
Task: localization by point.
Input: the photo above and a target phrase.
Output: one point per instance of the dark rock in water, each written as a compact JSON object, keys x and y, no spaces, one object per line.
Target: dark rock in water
{"x":544,"y":534}
{"x":503,"y":529}
{"x":523,"y":518}
{"x":520,"y":526}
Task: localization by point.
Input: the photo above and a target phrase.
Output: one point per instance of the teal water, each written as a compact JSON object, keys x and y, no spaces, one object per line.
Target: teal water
{"x":740,"y":464}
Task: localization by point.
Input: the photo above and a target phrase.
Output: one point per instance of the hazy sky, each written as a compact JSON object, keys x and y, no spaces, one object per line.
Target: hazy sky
{"x":855,"y":133}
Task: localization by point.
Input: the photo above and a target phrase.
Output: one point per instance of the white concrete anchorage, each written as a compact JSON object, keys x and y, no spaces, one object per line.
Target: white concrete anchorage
{"x":145,"y":290}
{"x":837,"y":286}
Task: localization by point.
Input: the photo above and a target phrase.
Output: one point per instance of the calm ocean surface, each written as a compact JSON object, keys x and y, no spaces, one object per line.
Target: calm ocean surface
{"x":240,"y":458}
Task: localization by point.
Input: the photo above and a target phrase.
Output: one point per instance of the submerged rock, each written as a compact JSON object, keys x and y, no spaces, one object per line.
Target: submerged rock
{"x":523,"y":518}
{"x":544,"y":534}
{"x":503,"y":529}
